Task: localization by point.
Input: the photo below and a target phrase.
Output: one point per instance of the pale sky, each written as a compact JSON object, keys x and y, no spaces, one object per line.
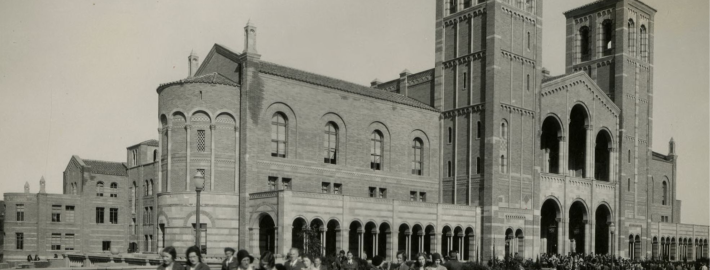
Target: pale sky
{"x":79,"y":77}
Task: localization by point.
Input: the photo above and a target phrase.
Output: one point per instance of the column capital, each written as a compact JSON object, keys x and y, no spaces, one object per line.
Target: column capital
{"x":188,"y":127}
{"x":561,"y":138}
{"x":213,"y":127}
{"x":588,"y":127}
{"x":236,"y":129}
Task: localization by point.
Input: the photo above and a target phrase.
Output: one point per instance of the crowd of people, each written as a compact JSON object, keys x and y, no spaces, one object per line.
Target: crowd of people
{"x":242,"y":260}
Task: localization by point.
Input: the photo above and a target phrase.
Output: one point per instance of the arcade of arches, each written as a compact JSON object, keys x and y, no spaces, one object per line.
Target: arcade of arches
{"x":369,"y":240}
{"x":580,"y":234}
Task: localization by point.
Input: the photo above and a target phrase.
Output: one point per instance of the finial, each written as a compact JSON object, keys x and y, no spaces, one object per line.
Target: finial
{"x":192,"y":62}
{"x":250,"y":39}
{"x":192,"y":52}
{"x":27,"y":187}
{"x":41,"y":185}
{"x":671,"y":147}
{"x":249,"y":22}
{"x":405,"y":72}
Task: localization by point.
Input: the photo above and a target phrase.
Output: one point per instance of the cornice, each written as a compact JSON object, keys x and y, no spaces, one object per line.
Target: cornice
{"x":518,"y":15}
{"x":518,"y":57}
{"x":519,"y":110}
{"x":464,"y":16}
{"x":463,"y":59}
{"x":462,"y":111}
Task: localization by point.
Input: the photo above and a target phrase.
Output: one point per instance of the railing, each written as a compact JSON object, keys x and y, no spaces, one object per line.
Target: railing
{"x":266,"y":194}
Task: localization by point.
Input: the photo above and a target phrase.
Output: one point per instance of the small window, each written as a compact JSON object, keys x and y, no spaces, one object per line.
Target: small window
{"x":69,"y":241}
{"x":503,"y":164}
{"x":628,"y":184}
{"x":628,"y":156}
{"x":479,"y":129}
{"x":272,"y":183}
{"x":99,"y":215}
{"x":279,"y":125}
{"x":113,"y":216}
{"x":106,"y":245}
{"x":413,"y":196}
{"x":372,"y":192}
{"x":286,"y":183}
{"x":527,"y":82}
{"x":325,"y":187}
{"x":449,"y":170}
{"x":134,"y":157}
{"x":479,"y":169}
{"x":19,"y":241}
{"x":529,"y":41}
{"x":114,"y":190}
{"x":20,"y":209}
{"x":467,"y":3}
{"x":100,"y":189}
{"x":383,"y":193}
{"x":504,"y":130}
{"x":201,"y":140}
{"x":465,"y":80}
{"x":69,"y":214}
{"x":451,"y":136}
{"x":56,"y":213}
{"x":56,"y":241}
{"x":330,"y":143}
{"x":337,"y":188}
{"x":422,"y":196}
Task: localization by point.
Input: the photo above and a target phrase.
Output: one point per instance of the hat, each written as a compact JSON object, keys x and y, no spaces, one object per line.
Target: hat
{"x":436,"y":256}
{"x":229,"y":249}
{"x":243,"y":254}
{"x":377,"y":260}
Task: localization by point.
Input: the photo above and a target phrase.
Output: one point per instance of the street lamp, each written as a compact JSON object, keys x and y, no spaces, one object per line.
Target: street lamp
{"x":611,"y":230}
{"x":199,"y":181}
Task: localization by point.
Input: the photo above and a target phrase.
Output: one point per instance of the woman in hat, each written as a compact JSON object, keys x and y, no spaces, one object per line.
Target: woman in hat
{"x":244,"y":260}
{"x":194,"y":259}
{"x":167,"y":257}
{"x":437,"y":262}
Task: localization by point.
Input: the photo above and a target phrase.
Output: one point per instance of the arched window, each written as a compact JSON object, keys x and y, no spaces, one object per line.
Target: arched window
{"x":417,"y":156}
{"x":479,"y":130}
{"x":134,"y":194}
{"x":100,"y":189}
{"x":632,"y":37}
{"x":145,"y":188}
{"x":607,"y":37}
{"x":644,"y":43}
{"x":376,"y":150}
{"x":330,"y":143}
{"x":504,"y":130}
{"x":151,"y":187}
{"x":134,"y":157}
{"x":628,"y":156}
{"x":503,"y":164}
{"x":155,"y":155}
{"x":584,"y":44}
{"x":279,"y":124}
{"x":114,"y":190}
{"x":73,"y":188}
{"x":451,"y":135}
{"x":664,"y":196}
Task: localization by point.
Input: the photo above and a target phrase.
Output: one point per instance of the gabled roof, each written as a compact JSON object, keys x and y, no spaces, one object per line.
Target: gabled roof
{"x":601,"y":2}
{"x":150,"y":142}
{"x":312,"y":78}
{"x":210,"y":78}
{"x":102,"y":167}
{"x":557,"y":83}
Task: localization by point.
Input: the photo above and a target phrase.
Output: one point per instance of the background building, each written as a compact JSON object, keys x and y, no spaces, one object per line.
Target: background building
{"x":486,"y":153}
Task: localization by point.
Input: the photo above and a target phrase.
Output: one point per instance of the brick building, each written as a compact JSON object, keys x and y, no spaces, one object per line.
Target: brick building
{"x":485,"y":153}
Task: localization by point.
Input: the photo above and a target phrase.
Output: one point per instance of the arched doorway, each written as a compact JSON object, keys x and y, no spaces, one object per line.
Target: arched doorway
{"x":549,"y":229}
{"x":602,"y":156}
{"x":468,"y":244}
{"x":458,"y":241}
{"x":520,"y":245}
{"x":355,"y":238}
{"x":417,"y":240}
{"x":298,"y":239}
{"x":369,"y":239}
{"x":550,"y":144}
{"x":577,"y":149}
{"x":577,"y":224}
{"x":332,"y":238}
{"x":267,"y":234}
{"x":446,"y":241}
{"x":602,"y":219}
{"x":384,"y":241}
{"x":509,"y":242}
{"x":403,"y":238}
{"x":318,"y":227}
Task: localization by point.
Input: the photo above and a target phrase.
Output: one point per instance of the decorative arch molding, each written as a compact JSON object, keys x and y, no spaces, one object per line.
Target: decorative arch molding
{"x":195,"y":113}
{"x":609,"y":208}
{"x":342,"y":142}
{"x":257,"y":217}
{"x":586,"y":110}
{"x":259,"y":211}
{"x":358,"y":222}
{"x":557,"y":117}
{"x":291,"y":128}
{"x":225,"y":113}
{"x":386,"y":145}
{"x":190,"y":217}
{"x":307,"y":222}
{"x":177,"y":115}
{"x":389,"y":225}
{"x":586,"y":207}
{"x":163,"y":218}
{"x":557,"y":201}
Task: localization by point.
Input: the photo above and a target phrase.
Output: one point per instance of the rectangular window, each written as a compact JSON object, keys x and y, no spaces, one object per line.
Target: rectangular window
{"x":479,"y":130}
{"x":113,"y":216}
{"x":413,"y":196}
{"x":383,"y":193}
{"x":56,"y":241}
{"x":272,"y":182}
{"x":527,"y":82}
{"x":465,"y":80}
{"x":20,"y":241}
{"x":373,"y":192}
{"x":20,"y":208}
{"x":69,"y":214}
{"x":99,"y":215}
{"x":106,"y":245}
{"x":337,"y":188}
{"x":56,"y":213}
{"x":200,"y":140}
{"x":422,"y":196}
{"x":287,"y":183}
{"x":325,"y":187}
{"x":69,"y":241}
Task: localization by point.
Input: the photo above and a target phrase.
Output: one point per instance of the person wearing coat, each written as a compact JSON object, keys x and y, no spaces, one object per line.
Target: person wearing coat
{"x":294,"y":261}
{"x":245,"y":260}
{"x":167,"y":257}
{"x":229,"y":261}
{"x":194,"y":259}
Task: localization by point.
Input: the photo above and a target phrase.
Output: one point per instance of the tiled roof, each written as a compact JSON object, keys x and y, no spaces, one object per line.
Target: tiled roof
{"x":150,"y":143}
{"x":210,"y":78}
{"x":105,"y":167}
{"x":552,"y":78}
{"x":299,"y":75}
{"x":599,"y":2}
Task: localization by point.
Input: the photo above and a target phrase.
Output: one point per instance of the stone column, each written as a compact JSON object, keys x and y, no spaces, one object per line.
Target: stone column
{"x":212,"y":172}
{"x":588,"y":237}
{"x":562,"y":164}
{"x":375,"y":247}
{"x":160,"y":160}
{"x":236,"y":159}
{"x":167,"y":174}
{"x":187,"y":157}
{"x":588,"y":155}
{"x":562,"y":236}
{"x":612,"y":163}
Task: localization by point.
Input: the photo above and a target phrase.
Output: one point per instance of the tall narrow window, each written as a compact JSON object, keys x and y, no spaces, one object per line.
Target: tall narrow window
{"x":644,"y":43}
{"x":632,"y":37}
{"x":113,"y":216}
{"x":100,"y":189}
{"x":99,"y":215}
{"x":452,"y":6}
{"x":114,"y":190}
{"x":607,"y":37}
{"x":69,"y":214}
{"x":664,"y":196}
{"x":450,"y":135}
{"x":584,"y":44}
{"x":503,"y":164}
{"x":134,"y":157}
{"x":19,"y":241}
{"x":145,"y":187}
{"x":201,"y":140}
{"x":155,"y":155}
{"x":417,"y":157}
{"x":279,"y":124}
{"x":69,"y":241}
{"x":479,"y":130}
{"x":152,"y":187}
{"x":449,"y":170}
{"x":376,"y":150}
{"x":330,"y":143}
{"x":529,"y":41}
{"x":56,"y":213}
{"x":20,"y":210}
{"x":73,"y":188}
{"x":504,"y":130}
{"x":465,"y":80}
{"x":478,"y":165}
{"x":56,"y":241}
{"x":628,"y":184}
{"x":527,"y":82}
{"x":628,"y":156}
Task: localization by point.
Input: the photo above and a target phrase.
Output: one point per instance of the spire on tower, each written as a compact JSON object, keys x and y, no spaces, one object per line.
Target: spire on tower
{"x":671,"y":147}
{"x":27,"y":187}
{"x":41,"y":185}
{"x":193,"y":60}
{"x":250,"y":38}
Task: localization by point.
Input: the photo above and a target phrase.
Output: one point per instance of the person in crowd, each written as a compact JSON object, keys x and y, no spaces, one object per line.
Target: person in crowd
{"x":307,"y":262}
{"x":294,"y":260}
{"x":401,"y":261}
{"x":167,"y":257}
{"x":318,"y":264}
{"x":229,"y":261}
{"x":244,"y":259}
{"x":194,"y":259}
{"x":350,"y":262}
{"x":267,"y":261}
{"x":36,"y":257}
{"x":29,"y":257}
{"x":453,"y":262}
{"x":437,"y":262}
{"x":421,"y":262}
{"x":703,"y":266}
{"x":378,"y":263}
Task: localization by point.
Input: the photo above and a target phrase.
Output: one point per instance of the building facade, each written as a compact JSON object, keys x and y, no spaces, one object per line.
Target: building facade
{"x":485,"y":153}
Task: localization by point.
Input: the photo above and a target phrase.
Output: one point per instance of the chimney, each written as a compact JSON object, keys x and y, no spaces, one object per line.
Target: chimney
{"x":374,"y":83}
{"x":41,"y":185}
{"x":193,"y":60}
{"x":250,"y":38}
{"x":545,"y":73}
